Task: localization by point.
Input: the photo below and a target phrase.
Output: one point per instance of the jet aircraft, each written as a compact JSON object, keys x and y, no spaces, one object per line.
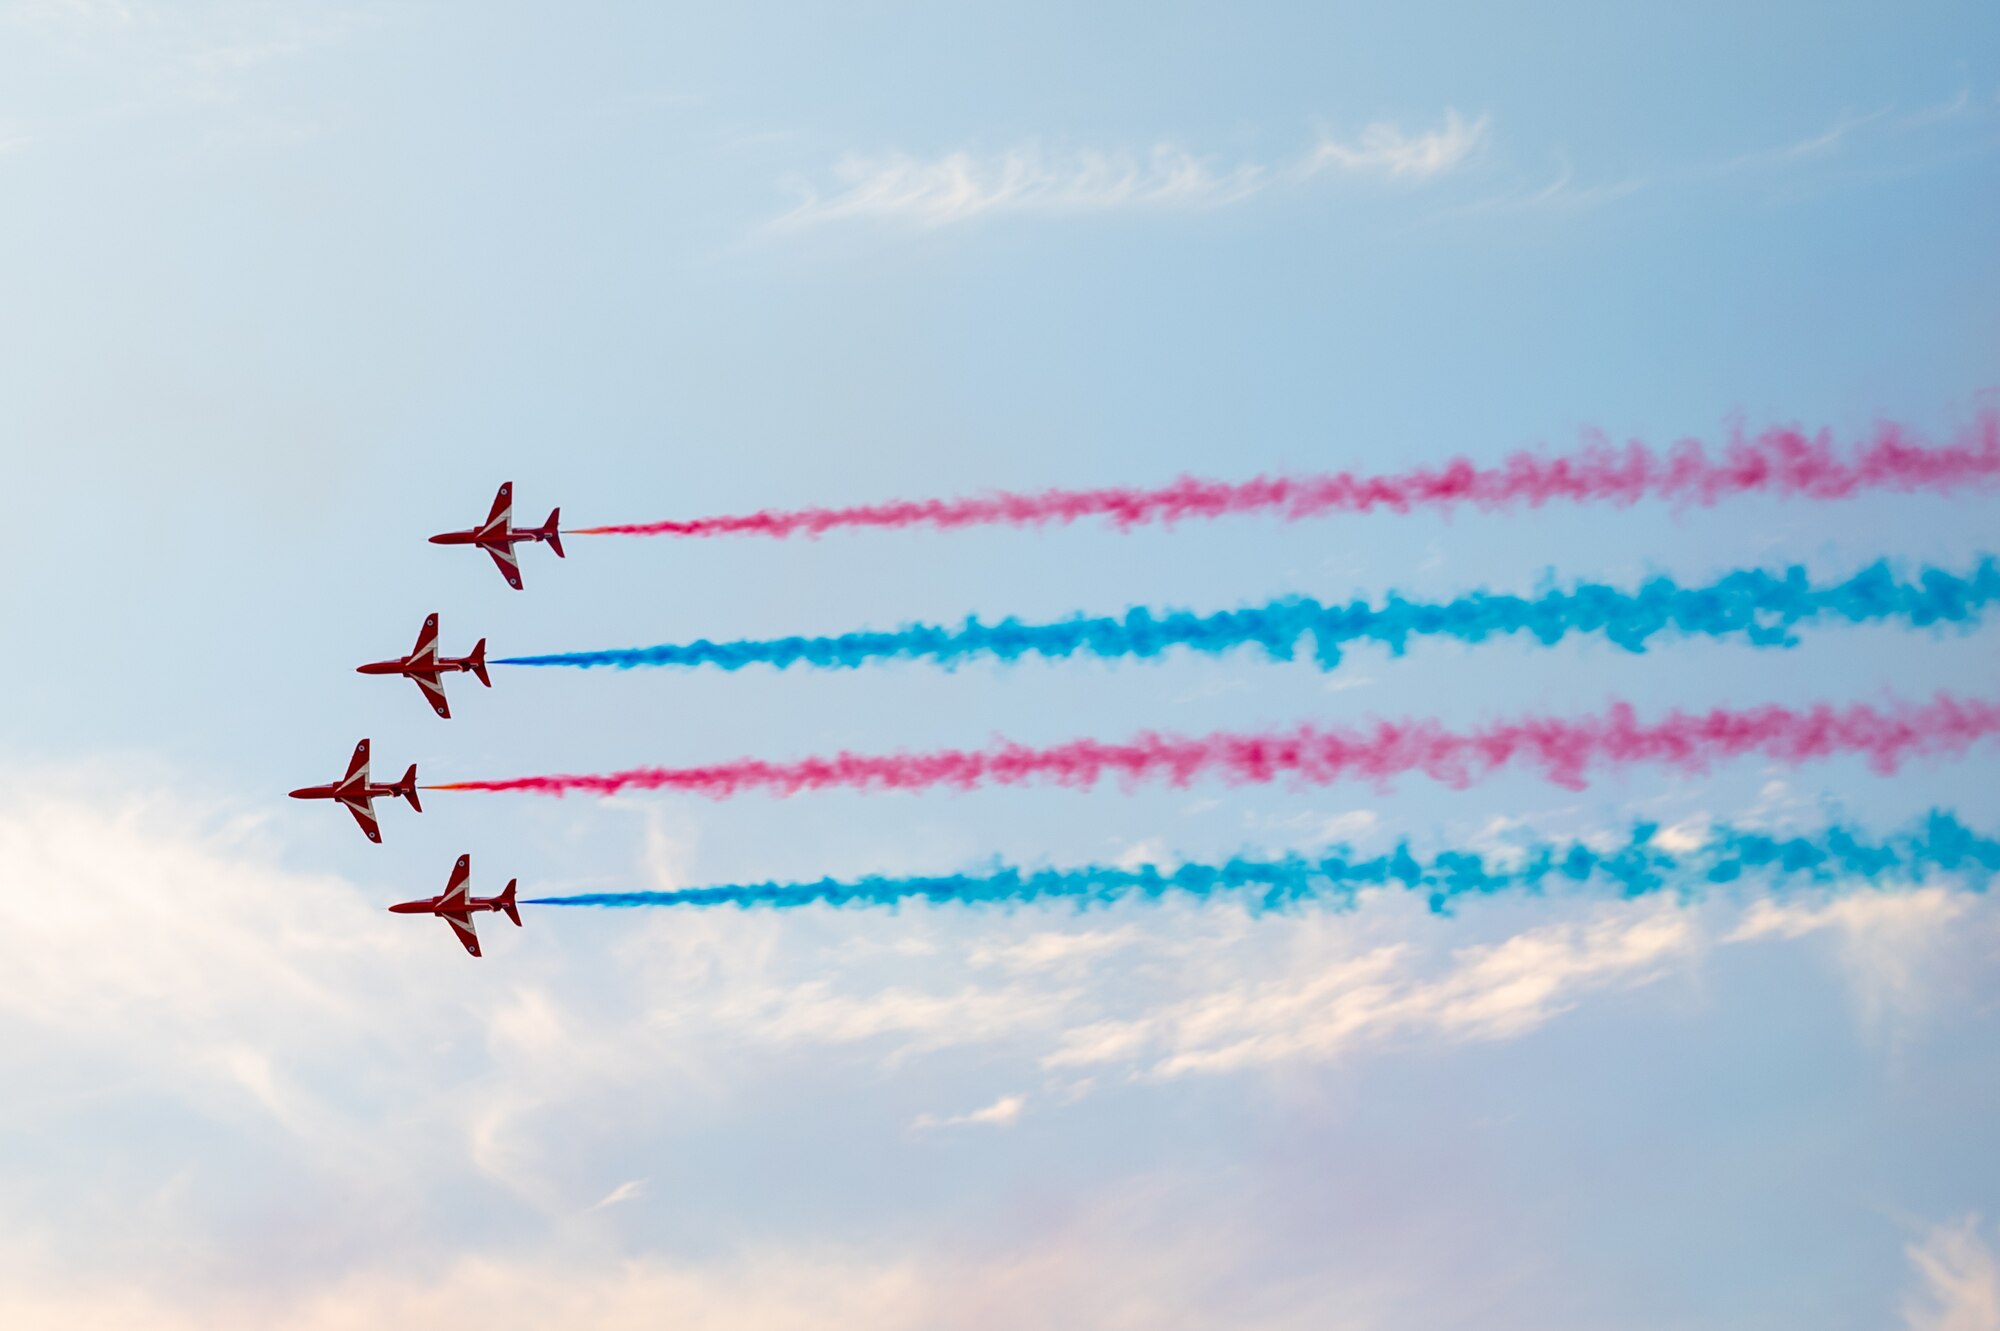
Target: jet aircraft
{"x":428,"y":669}
{"x":357,"y":794}
{"x":456,"y":908}
{"x":497,"y":536}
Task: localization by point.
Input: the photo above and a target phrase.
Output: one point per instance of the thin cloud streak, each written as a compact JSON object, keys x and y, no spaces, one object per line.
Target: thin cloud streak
{"x":1002,"y":1113}
{"x":1562,"y":194}
{"x":1822,"y":144}
{"x":1848,"y":135}
{"x":1030,"y":180}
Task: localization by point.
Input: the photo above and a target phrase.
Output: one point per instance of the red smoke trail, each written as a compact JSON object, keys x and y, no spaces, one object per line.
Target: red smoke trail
{"x":1561,"y":750}
{"x":1782,"y":461}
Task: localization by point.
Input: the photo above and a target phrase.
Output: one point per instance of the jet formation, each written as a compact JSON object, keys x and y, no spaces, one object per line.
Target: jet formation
{"x":357,"y":793}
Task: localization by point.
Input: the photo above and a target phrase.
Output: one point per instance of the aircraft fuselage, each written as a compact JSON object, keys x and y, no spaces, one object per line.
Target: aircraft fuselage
{"x":491,"y":540}
{"x":362,"y":791}
{"x":444,"y":665}
{"x":429,"y":906}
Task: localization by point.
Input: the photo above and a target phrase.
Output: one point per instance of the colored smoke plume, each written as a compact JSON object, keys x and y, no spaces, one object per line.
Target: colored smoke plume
{"x":1565,"y":751}
{"x":1757,"y":606}
{"x":1642,"y":865}
{"x":1782,"y":461}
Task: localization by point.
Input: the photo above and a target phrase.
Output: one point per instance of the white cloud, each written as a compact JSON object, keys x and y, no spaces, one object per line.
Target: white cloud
{"x":1329,"y":1006}
{"x":186,"y":947}
{"x":1029,"y":179}
{"x":1822,"y":144}
{"x":910,"y":1020}
{"x":1151,"y":851}
{"x":1890,"y":941}
{"x":1312,"y":829}
{"x":1849,"y":134}
{"x":315,"y":1074}
{"x":1958,"y":1281}
{"x":1345,"y":827}
{"x":1562,"y":194}
{"x":1048,"y":951}
{"x":1685,"y":836}
{"x":628,"y":1191}
{"x":1388,"y":149}
{"x":961,"y":186}
{"x":1002,"y":1113}
{"x":1120,"y":1258}
{"x":777,"y":1292}
{"x":1949,"y":109}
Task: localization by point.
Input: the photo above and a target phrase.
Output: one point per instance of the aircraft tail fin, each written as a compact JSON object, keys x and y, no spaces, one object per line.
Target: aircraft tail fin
{"x":477,"y":662}
{"x":550,"y":534}
{"x":407,"y":788}
{"x":506,"y":900}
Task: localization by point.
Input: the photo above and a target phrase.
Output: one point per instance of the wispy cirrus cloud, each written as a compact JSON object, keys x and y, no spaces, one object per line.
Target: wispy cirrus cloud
{"x":1958,"y":1280}
{"x":1328,"y":1008}
{"x":1860,"y":136}
{"x":1561,"y":194}
{"x":1855,"y":130}
{"x":1030,"y":179}
{"x":1388,"y":149}
{"x":961,"y":186}
{"x":1822,"y":143}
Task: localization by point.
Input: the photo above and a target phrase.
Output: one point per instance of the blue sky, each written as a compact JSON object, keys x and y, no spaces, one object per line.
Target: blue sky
{"x":290,"y":288}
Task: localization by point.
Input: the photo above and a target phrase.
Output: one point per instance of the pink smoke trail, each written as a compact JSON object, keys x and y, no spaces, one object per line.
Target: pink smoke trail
{"x":1782,"y":461}
{"x":1563,"y":751}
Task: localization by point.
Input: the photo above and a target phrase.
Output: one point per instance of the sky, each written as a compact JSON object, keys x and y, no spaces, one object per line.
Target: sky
{"x":286,"y":289}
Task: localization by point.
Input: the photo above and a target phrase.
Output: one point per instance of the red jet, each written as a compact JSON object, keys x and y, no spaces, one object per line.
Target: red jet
{"x":425,"y":666}
{"x":355,"y":792}
{"x":457,"y":909}
{"x":498,"y":537}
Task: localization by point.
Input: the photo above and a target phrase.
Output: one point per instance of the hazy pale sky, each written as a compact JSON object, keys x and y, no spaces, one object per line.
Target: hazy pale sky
{"x":285,"y":289}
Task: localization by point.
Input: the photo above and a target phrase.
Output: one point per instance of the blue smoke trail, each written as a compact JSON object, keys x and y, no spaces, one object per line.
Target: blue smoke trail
{"x":1639,"y":867}
{"x":1759,"y":606}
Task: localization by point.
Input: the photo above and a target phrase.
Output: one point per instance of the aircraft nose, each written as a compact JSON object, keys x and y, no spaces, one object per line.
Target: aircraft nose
{"x":437,"y":540}
{"x":301,"y":793}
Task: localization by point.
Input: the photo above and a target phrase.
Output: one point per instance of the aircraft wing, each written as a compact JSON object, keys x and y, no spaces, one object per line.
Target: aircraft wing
{"x":502,"y":515}
{"x":434,"y":694}
{"x":364,"y":814}
{"x":509,"y":565}
{"x":461,"y":924}
{"x":426,"y":649}
{"x":358,"y":765}
{"x":454,"y":891}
